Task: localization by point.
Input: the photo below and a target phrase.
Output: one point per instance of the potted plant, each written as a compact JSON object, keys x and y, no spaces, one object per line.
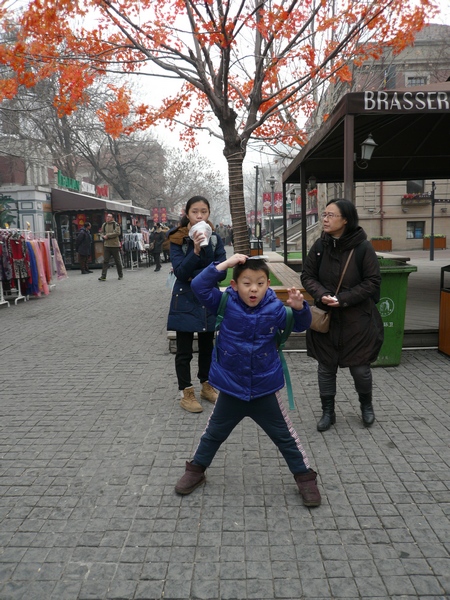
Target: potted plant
{"x":440,"y":241}
{"x":381,"y":243}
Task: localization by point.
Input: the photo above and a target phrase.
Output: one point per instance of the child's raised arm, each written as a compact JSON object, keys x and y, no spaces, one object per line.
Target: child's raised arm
{"x":231,"y":262}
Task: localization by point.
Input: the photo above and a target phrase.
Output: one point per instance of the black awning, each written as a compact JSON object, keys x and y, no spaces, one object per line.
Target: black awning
{"x":63,"y":200}
{"x":410,"y":126}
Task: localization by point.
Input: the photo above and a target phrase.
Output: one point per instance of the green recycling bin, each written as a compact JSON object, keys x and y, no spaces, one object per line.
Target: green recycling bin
{"x":392,"y":308}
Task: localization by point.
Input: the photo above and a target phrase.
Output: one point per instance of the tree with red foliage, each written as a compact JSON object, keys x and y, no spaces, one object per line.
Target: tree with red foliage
{"x":246,"y":69}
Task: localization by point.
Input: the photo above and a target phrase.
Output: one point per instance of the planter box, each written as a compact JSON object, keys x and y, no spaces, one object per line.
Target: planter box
{"x":382,"y":245}
{"x":440,"y":243}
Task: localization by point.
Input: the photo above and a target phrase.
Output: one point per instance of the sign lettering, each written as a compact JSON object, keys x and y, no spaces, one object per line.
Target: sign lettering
{"x":382,"y":101}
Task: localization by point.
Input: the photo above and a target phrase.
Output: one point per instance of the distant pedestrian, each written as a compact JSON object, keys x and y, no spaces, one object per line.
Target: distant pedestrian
{"x":186,"y":314}
{"x":157,"y":239}
{"x":83,"y":246}
{"x":247,"y":370}
{"x":356,"y":329}
{"x":229,"y":236}
{"x":166,"y":244}
{"x":110,"y":233}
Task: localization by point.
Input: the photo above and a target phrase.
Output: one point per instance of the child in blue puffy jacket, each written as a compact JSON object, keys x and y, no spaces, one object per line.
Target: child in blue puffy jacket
{"x":246,"y":368}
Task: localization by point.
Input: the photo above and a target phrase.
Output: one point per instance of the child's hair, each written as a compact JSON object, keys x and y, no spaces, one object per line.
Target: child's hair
{"x":184,"y":219}
{"x":253,"y":265}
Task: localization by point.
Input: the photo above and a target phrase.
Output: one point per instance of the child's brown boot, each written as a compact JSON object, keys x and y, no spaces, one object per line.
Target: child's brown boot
{"x":192,"y":478}
{"x":307,"y":485}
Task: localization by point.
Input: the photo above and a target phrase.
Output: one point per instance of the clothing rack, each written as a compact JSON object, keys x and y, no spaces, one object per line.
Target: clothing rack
{"x":19,"y":296}
{"x":132,"y":243}
{"x":28,"y":236}
{"x":2,"y":298}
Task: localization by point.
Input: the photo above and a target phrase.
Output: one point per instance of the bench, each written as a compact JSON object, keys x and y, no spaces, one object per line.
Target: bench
{"x":289,"y":278}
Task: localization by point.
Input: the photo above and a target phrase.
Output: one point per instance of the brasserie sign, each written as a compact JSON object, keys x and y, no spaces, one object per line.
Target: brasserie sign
{"x":403,"y":102}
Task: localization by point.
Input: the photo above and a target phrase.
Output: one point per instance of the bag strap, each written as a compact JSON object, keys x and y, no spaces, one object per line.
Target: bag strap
{"x":343,"y":272}
{"x":221,"y":310}
{"x":281,"y":338}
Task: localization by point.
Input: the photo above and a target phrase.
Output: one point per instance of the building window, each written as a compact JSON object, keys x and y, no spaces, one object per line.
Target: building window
{"x":415,"y":186}
{"x":415,"y":230}
{"x":411,"y":81}
{"x":390,"y":80}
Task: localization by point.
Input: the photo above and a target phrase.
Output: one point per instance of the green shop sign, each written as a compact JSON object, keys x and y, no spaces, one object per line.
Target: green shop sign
{"x":68,"y":182}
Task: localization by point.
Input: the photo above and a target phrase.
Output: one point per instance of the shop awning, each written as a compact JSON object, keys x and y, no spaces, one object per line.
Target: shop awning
{"x":411,"y":127}
{"x":63,"y":200}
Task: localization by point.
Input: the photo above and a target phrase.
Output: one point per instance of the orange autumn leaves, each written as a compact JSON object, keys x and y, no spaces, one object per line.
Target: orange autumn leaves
{"x":249,"y":67}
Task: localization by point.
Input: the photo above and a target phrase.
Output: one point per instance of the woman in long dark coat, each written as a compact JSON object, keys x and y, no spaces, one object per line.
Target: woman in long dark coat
{"x":356,"y":329}
{"x":157,"y":237}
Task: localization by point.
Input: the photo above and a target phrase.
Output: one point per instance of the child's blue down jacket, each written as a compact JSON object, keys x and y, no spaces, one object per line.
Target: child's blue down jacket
{"x":245,"y":361}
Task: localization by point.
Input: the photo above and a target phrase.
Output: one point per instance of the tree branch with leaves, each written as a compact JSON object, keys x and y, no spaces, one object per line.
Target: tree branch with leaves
{"x":247,"y":70}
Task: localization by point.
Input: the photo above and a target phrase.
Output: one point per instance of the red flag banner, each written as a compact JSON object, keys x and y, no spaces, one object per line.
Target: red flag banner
{"x":278,"y":203}
{"x":267,"y":203}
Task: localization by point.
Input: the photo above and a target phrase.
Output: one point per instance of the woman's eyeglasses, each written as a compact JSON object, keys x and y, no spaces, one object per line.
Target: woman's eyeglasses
{"x":330,"y":215}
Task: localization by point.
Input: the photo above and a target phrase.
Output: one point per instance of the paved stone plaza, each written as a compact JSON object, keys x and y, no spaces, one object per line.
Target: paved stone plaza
{"x":92,"y":441}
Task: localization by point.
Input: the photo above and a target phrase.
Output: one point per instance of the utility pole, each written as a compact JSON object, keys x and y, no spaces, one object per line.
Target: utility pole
{"x":433,"y":188}
{"x":256,"y":197}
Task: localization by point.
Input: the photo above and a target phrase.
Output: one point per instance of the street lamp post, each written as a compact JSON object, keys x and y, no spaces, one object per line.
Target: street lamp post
{"x":272,"y":182}
{"x":433,"y":188}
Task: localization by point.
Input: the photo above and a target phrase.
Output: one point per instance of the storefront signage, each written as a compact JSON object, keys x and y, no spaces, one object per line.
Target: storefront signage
{"x":68,"y":182}
{"x":83,"y":186}
{"x":88,"y":188}
{"x":102,"y":190}
{"x":382,"y":101}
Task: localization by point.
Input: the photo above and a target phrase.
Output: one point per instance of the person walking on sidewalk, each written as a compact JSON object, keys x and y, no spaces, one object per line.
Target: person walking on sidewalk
{"x":247,"y":370}
{"x":356,"y":328}
{"x":83,"y":246}
{"x":157,"y":238}
{"x":110,"y":232}
{"x":186,"y":314}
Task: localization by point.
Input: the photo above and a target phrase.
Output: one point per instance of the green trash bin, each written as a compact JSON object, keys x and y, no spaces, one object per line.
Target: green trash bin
{"x":392,"y":308}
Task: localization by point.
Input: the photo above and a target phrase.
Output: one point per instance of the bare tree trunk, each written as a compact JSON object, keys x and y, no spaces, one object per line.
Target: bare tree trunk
{"x":235,"y":159}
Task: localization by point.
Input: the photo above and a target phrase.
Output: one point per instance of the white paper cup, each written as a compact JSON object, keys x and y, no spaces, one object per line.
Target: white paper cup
{"x":204,"y":228}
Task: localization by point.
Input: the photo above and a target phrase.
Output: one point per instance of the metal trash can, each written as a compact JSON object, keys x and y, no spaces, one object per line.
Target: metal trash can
{"x":444,"y":314}
{"x":256,"y":247}
{"x":392,"y":308}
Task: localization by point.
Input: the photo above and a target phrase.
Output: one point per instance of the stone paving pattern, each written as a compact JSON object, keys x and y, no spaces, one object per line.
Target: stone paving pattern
{"x":92,"y":441}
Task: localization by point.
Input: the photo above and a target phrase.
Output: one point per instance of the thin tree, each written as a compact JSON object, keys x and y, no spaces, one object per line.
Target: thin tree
{"x":248,"y":67}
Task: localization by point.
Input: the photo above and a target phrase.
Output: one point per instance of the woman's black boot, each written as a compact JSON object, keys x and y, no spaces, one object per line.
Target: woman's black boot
{"x":368,"y":416}
{"x":328,"y":414}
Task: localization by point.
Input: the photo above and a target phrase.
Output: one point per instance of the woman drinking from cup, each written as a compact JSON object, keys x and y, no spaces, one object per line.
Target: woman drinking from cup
{"x":193,"y":246}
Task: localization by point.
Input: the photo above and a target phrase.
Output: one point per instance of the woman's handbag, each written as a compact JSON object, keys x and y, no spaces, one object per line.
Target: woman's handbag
{"x":321,"y":318}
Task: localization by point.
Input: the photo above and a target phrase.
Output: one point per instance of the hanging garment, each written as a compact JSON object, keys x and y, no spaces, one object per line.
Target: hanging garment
{"x":61,"y":272}
{"x":44,"y":245}
{"x":43,"y":285}
{"x":32,"y":287}
{"x":20,"y":260}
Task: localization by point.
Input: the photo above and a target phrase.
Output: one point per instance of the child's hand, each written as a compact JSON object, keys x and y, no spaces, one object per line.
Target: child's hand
{"x":232,"y":261}
{"x":295,"y":299}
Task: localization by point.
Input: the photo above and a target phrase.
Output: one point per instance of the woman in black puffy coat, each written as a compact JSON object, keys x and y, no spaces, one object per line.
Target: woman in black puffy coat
{"x":356,"y":328}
